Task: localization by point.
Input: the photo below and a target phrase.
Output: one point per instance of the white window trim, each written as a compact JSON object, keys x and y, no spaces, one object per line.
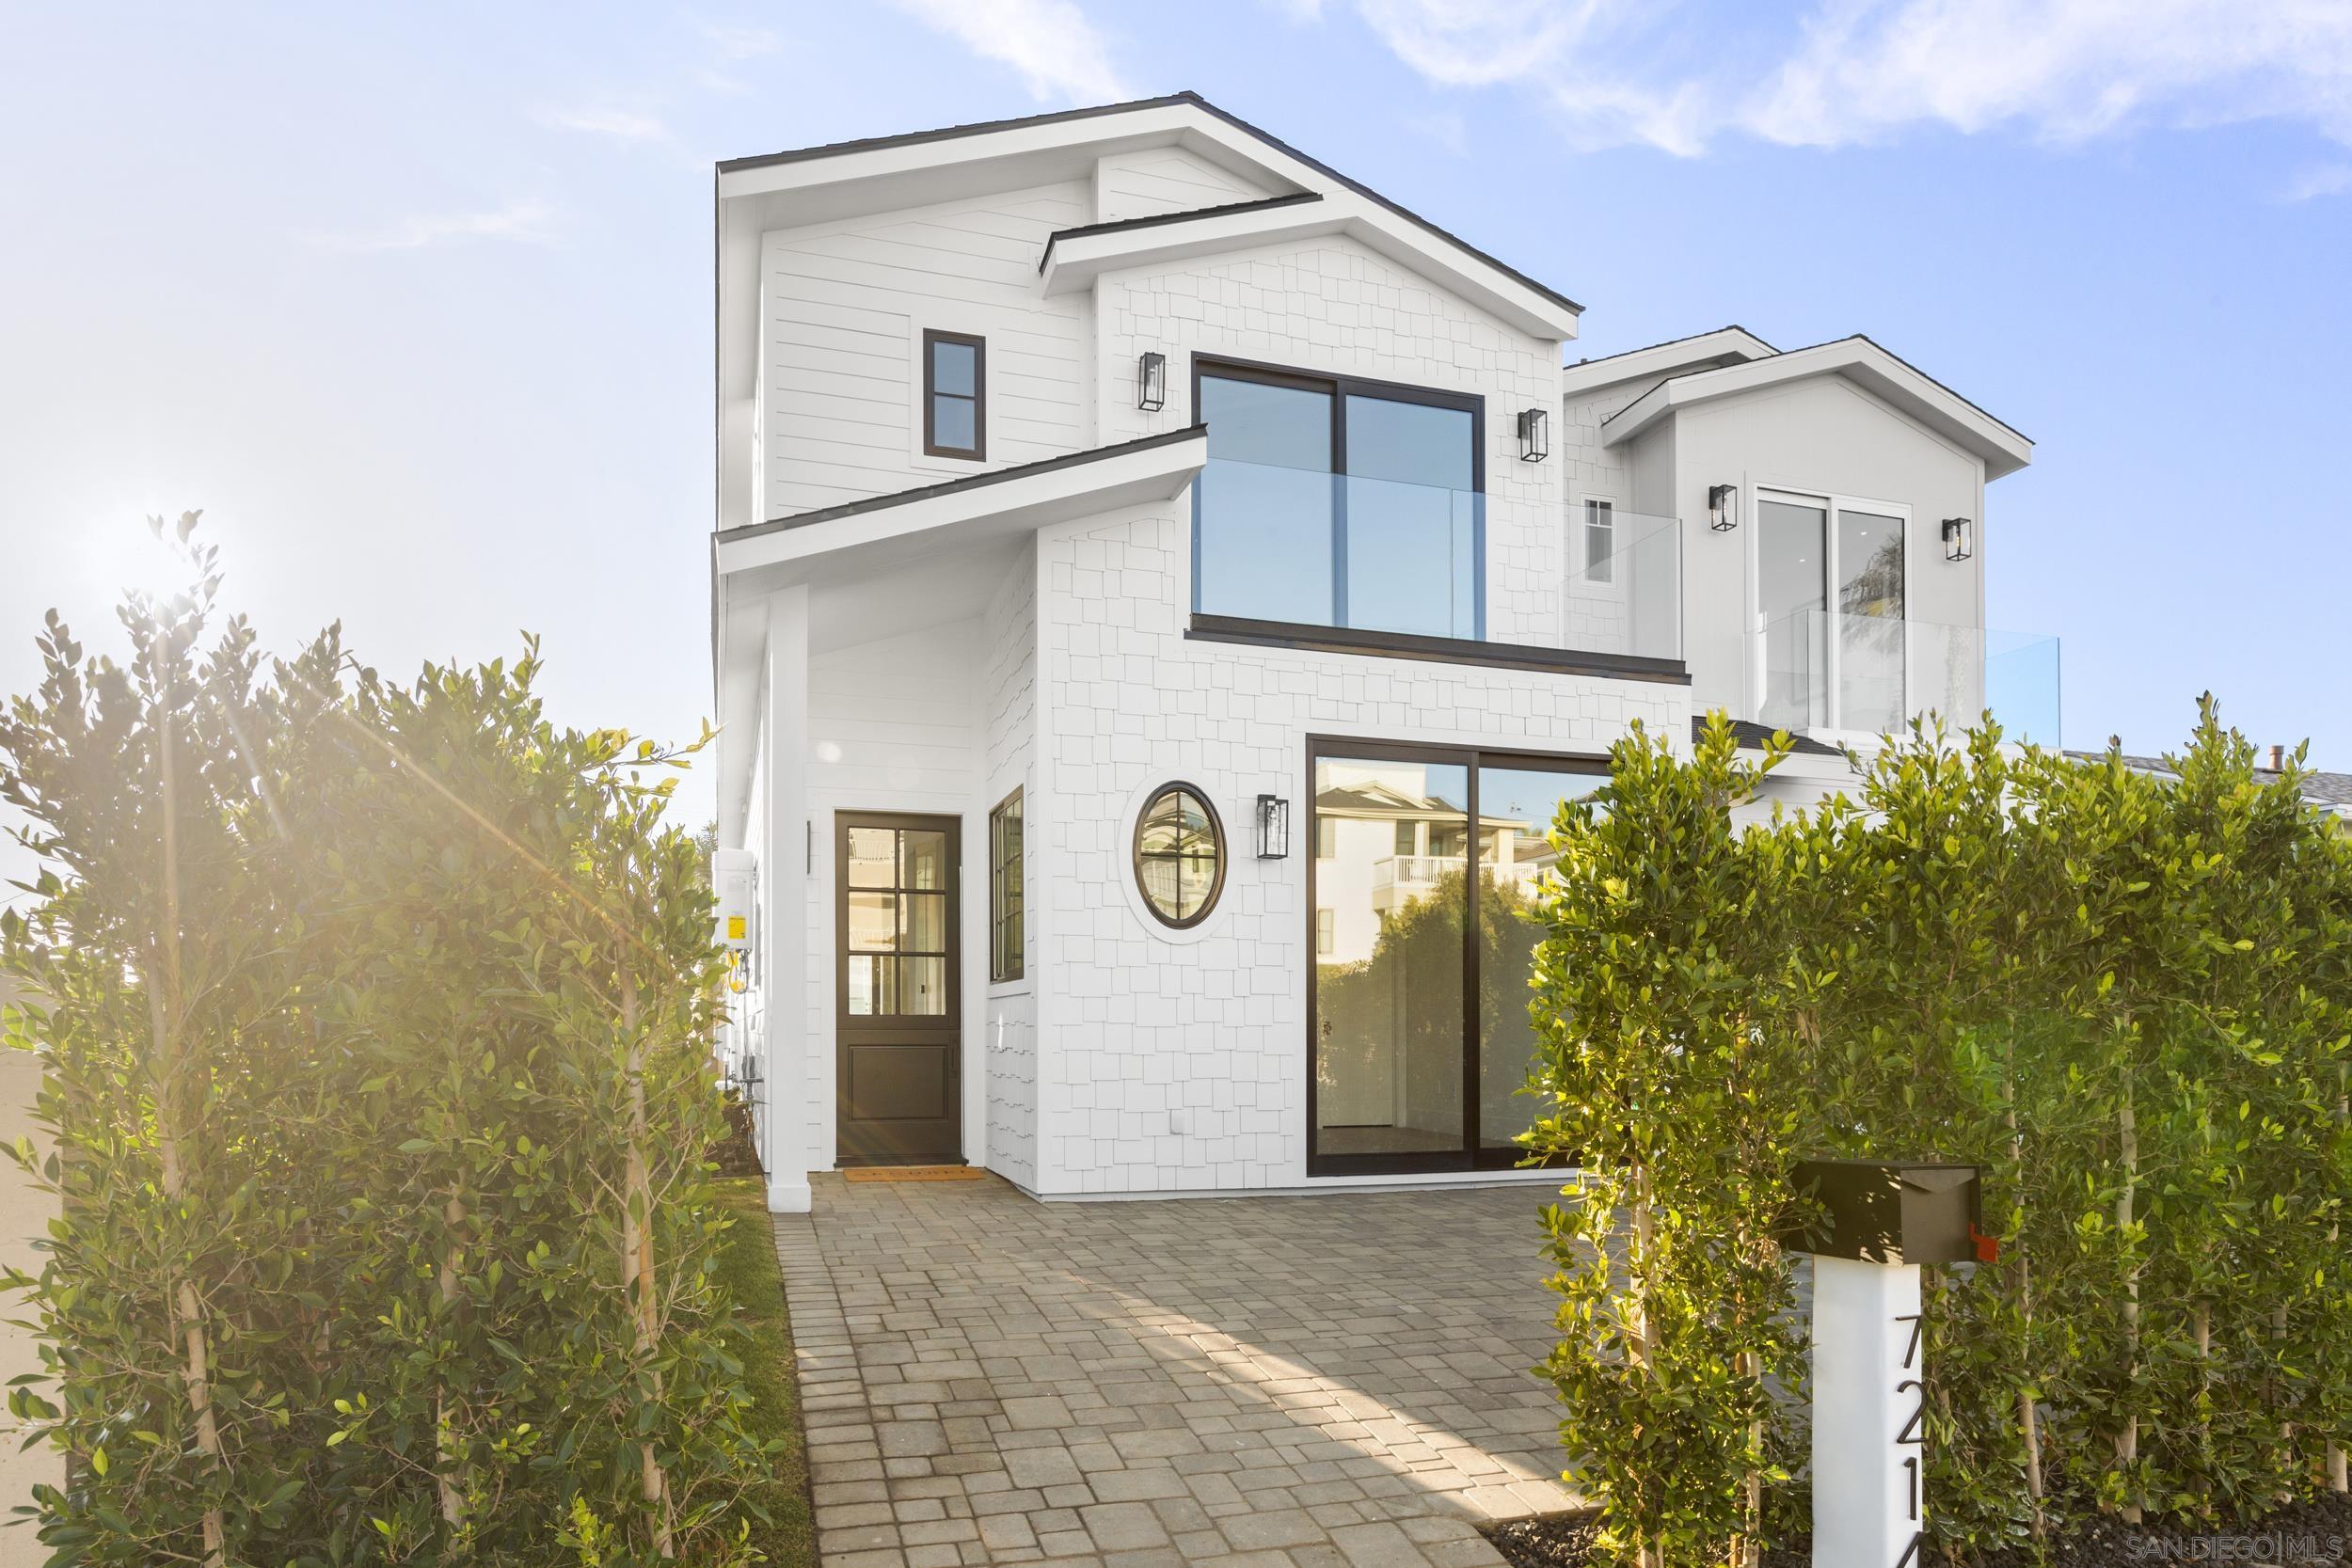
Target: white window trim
{"x":1754,"y":494}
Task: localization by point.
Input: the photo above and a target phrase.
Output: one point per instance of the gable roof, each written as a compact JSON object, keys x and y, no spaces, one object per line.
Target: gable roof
{"x":1185,"y":117}
{"x":2330,"y":791}
{"x":1886,"y":376}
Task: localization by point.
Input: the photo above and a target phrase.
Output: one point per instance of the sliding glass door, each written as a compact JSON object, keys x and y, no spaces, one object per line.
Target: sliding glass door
{"x":1830,"y":613}
{"x":1422,"y":888}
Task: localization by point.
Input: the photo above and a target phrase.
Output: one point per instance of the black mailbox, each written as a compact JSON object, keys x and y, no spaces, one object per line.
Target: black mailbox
{"x":1888,"y":1212}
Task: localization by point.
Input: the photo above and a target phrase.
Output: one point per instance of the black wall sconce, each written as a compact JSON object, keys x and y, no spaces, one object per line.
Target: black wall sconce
{"x":1151,"y":381}
{"x":1723,"y":507}
{"x":1960,"y":538}
{"x":1274,"y":828}
{"x":1535,"y":434}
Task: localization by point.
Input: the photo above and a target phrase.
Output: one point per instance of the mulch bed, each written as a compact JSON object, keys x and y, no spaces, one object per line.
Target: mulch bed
{"x":2314,"y":1534}
{"x":738,"y":1155}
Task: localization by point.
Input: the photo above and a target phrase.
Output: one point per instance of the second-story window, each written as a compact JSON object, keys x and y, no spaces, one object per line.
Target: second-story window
{"x":1601,"y":541}
{"x":955,"y":395}
{"x":1333,"y":501}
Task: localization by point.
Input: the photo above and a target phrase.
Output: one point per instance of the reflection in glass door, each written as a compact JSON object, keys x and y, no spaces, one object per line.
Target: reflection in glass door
{"x":1791,"y":591}
{"x":1516,"y":807}
{"x":1829,"y":615}
{"x":1420,"y":1036}
{"x":1389,"y":992}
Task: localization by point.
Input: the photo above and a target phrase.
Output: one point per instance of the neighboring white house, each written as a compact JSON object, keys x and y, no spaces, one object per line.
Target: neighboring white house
{"x":1152,"y":568}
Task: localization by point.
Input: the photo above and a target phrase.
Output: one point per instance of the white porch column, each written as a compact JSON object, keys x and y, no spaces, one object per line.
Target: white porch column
{"x":784,"y":890}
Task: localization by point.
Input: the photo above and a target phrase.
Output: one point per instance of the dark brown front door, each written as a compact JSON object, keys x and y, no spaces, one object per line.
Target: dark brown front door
{"x":899,"y":1088}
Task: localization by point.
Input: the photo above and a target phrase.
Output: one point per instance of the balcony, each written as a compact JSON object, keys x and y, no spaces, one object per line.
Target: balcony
{"x":1305,"y":558}
{"x":1401,"y":879}
{"x":1868,"y":675}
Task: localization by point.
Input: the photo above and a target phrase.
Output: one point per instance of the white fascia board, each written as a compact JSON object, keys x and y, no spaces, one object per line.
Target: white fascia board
{"x":1708,"y":349}
{"x":1072,"y":265}
{"x":1860,"y":361}
{"x":885,"y":534}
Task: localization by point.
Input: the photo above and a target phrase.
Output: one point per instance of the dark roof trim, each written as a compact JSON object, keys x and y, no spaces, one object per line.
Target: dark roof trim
{"x":1832,"y":342}
{"x":1438,"y":650}
{"x":1751,"y":736}
{"x":1646,"y":348}
{"x":1297,"y":199}
{"x":978,"y":128}
{"x":970,"y":481}
{"x":835,"y":150}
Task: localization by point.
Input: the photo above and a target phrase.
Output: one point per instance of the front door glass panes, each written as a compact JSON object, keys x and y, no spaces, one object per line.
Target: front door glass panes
{"x":1869,"y":621}
{"x":897,"y":957}
{"x":1516,"y":807}
{"x":1792,"y":574}
{"x":1411,"y":518}
{"x":1388,"y":1024}
{"x":1264,"y":504}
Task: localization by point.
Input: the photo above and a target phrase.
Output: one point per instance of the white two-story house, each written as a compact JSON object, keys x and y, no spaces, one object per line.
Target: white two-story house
{"x":1162,"y":589}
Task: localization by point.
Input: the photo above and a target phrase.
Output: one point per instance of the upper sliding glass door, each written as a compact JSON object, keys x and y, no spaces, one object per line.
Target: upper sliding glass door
{"x":1338,"y":502}
{"x":1420,"y":1039}
{"x":1830,"y":613}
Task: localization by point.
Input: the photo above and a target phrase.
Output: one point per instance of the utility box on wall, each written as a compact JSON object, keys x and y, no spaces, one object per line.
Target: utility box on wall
{"x":1880,"y":1211}
{"x":735,"y":879}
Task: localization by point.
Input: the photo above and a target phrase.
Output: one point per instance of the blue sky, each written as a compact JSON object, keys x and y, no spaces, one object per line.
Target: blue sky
{"x":414,"y":301}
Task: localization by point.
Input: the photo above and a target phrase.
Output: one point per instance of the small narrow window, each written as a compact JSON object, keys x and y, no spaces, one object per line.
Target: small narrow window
{"x":1404,"y":843}
{"x":1326,"y":838}
{"x":1006,"y":940}
{"x":955,"y":400}
{"x":1327,"y":932}
{"x":1601,"y":541}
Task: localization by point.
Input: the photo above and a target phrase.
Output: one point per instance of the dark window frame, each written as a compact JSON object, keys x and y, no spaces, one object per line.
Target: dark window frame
{"x":1339,"y":387}
{"x":977,"y":451}
{"x":1470,"y":1157}
{"x":1217,"y":842}
{"x":1007,"y":930}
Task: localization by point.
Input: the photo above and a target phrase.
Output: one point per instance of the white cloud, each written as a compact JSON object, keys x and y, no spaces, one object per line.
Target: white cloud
{"x":1862,"y":70}
{"x":1057,"y":50}
{"x":521,"y":221}
{"x":2325,"y":180}
{"x":1446,"y":129}
{"x":628,"y":125}
{"x":742,"y":43}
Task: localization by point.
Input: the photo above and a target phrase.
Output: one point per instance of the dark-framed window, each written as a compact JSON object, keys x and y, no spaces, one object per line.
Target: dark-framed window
{"x":1418,"y":1036}
{"x":1179,"y":855}
{"x":1600,"y":540}
{"x":1006,"y":940}
{"x":1339,"y":500}
{"x":955,"y":394}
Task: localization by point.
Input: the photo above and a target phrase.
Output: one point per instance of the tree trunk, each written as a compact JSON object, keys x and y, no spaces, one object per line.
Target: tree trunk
{"x":1637,"y":1309}
{"x":2028,"y":1416}
{"x":445,"y":1479}
{"x":2127,"y":1440}
{"x":164,"y":1004}
{"x":636,"y":1262}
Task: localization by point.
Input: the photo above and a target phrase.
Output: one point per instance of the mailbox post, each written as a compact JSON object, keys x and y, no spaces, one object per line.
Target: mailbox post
{"x":1878,"y":1223}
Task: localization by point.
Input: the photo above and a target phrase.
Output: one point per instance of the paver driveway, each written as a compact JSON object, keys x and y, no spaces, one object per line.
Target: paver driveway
{"x":1336,"y":1381}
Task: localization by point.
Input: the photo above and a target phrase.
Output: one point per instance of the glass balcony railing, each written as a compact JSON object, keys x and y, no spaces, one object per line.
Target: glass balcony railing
{"x":1826,"y":669}
{"x":1324,"y":549}
{"x":1624,"y":594}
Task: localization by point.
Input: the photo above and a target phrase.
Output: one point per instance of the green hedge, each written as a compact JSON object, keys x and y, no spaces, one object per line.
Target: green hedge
{"x":2129,"y":997}
{"x":376,"y":1023}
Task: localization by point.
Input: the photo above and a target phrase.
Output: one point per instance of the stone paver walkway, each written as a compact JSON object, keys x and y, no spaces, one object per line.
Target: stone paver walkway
{"x":1331,"y":1382}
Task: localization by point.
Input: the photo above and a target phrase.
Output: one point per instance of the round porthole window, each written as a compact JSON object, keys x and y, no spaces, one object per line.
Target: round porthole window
{"x":1180,"y":855}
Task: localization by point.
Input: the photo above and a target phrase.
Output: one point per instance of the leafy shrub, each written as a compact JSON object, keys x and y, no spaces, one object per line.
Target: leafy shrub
{"x":2130,"y":998}
{"x":376,"y":1019}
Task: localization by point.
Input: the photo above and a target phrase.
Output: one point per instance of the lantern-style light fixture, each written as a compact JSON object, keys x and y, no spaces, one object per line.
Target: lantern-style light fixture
{"x":1535,"y":434}
{"x":1151,"y":381}
{"x":1723,"y":507}
{"x":1960,"y":538}
{"x":1274,"y":828}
